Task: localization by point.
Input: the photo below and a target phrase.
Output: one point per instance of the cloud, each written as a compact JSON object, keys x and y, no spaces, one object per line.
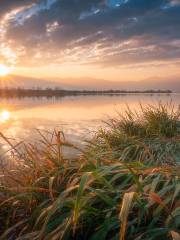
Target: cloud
{"x":100,"y":32}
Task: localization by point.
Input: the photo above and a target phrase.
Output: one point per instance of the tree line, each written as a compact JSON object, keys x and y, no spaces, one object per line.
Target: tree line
{"x":57,"y":92}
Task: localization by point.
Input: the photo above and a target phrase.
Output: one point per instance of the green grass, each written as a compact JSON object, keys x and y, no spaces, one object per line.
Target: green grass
{"x":151,"y":137}
{"x":124,"y":185}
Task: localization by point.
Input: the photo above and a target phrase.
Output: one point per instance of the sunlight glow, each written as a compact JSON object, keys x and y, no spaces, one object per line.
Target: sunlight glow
{"x":4,"y":116}
{"x":4,"y":70}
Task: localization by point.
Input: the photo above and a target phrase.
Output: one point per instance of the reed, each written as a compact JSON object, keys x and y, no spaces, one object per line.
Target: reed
{"x":124,"y":185}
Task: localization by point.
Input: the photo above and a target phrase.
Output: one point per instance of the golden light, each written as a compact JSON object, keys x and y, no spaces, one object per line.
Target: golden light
{"x":4,"y":70}
{"x":4,"y":116}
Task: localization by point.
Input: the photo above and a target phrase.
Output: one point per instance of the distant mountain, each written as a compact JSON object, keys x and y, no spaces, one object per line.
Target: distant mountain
{"x":155,"y":83}
{"x":158,"y":83}
{"x":14,"y":81}
{"x":94,"y":84}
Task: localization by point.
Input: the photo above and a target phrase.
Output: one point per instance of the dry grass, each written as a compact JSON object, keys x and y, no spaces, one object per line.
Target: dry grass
{"x":123,"y":186}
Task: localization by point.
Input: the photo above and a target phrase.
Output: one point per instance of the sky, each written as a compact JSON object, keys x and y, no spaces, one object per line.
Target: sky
{"x":115,"y":40}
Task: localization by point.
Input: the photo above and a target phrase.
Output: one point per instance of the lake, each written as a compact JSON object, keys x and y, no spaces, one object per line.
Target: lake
{"x":77,"y":116}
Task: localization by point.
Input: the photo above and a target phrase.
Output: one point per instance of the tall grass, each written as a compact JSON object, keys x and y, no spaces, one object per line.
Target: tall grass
{"x":151,"y":136}
{"x":125,"y":184}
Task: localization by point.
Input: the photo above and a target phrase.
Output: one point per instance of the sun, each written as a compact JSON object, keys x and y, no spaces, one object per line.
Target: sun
{"x":4,"y":70}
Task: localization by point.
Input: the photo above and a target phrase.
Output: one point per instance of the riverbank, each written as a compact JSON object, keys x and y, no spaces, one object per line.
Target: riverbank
{"x":124,"y":184}
{"x":56,"y":92}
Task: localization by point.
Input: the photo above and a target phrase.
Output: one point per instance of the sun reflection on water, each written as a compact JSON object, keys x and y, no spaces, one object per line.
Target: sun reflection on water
{"x":4,"y":116}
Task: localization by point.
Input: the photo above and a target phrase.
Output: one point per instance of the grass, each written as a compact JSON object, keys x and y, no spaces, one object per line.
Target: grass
{"x":124,"y":185}
{"x":151,"y":137}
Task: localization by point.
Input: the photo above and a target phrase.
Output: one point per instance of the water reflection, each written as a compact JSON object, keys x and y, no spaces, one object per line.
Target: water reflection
{"x":4,"y":116}
{"x":77,"y":116}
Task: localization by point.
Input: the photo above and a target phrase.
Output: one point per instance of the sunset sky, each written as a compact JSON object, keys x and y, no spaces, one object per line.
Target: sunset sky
{"x":117,"y":40}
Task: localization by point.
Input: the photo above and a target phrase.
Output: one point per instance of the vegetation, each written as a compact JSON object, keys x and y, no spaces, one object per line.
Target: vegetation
{"x":124,"y":185}
{"x":56,"y":92}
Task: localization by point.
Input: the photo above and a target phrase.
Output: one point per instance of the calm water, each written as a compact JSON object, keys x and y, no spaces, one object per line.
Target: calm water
{"x":77,"y":116}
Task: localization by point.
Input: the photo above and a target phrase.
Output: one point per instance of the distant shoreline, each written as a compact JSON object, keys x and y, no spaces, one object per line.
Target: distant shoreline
{"x":49,"y":92}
